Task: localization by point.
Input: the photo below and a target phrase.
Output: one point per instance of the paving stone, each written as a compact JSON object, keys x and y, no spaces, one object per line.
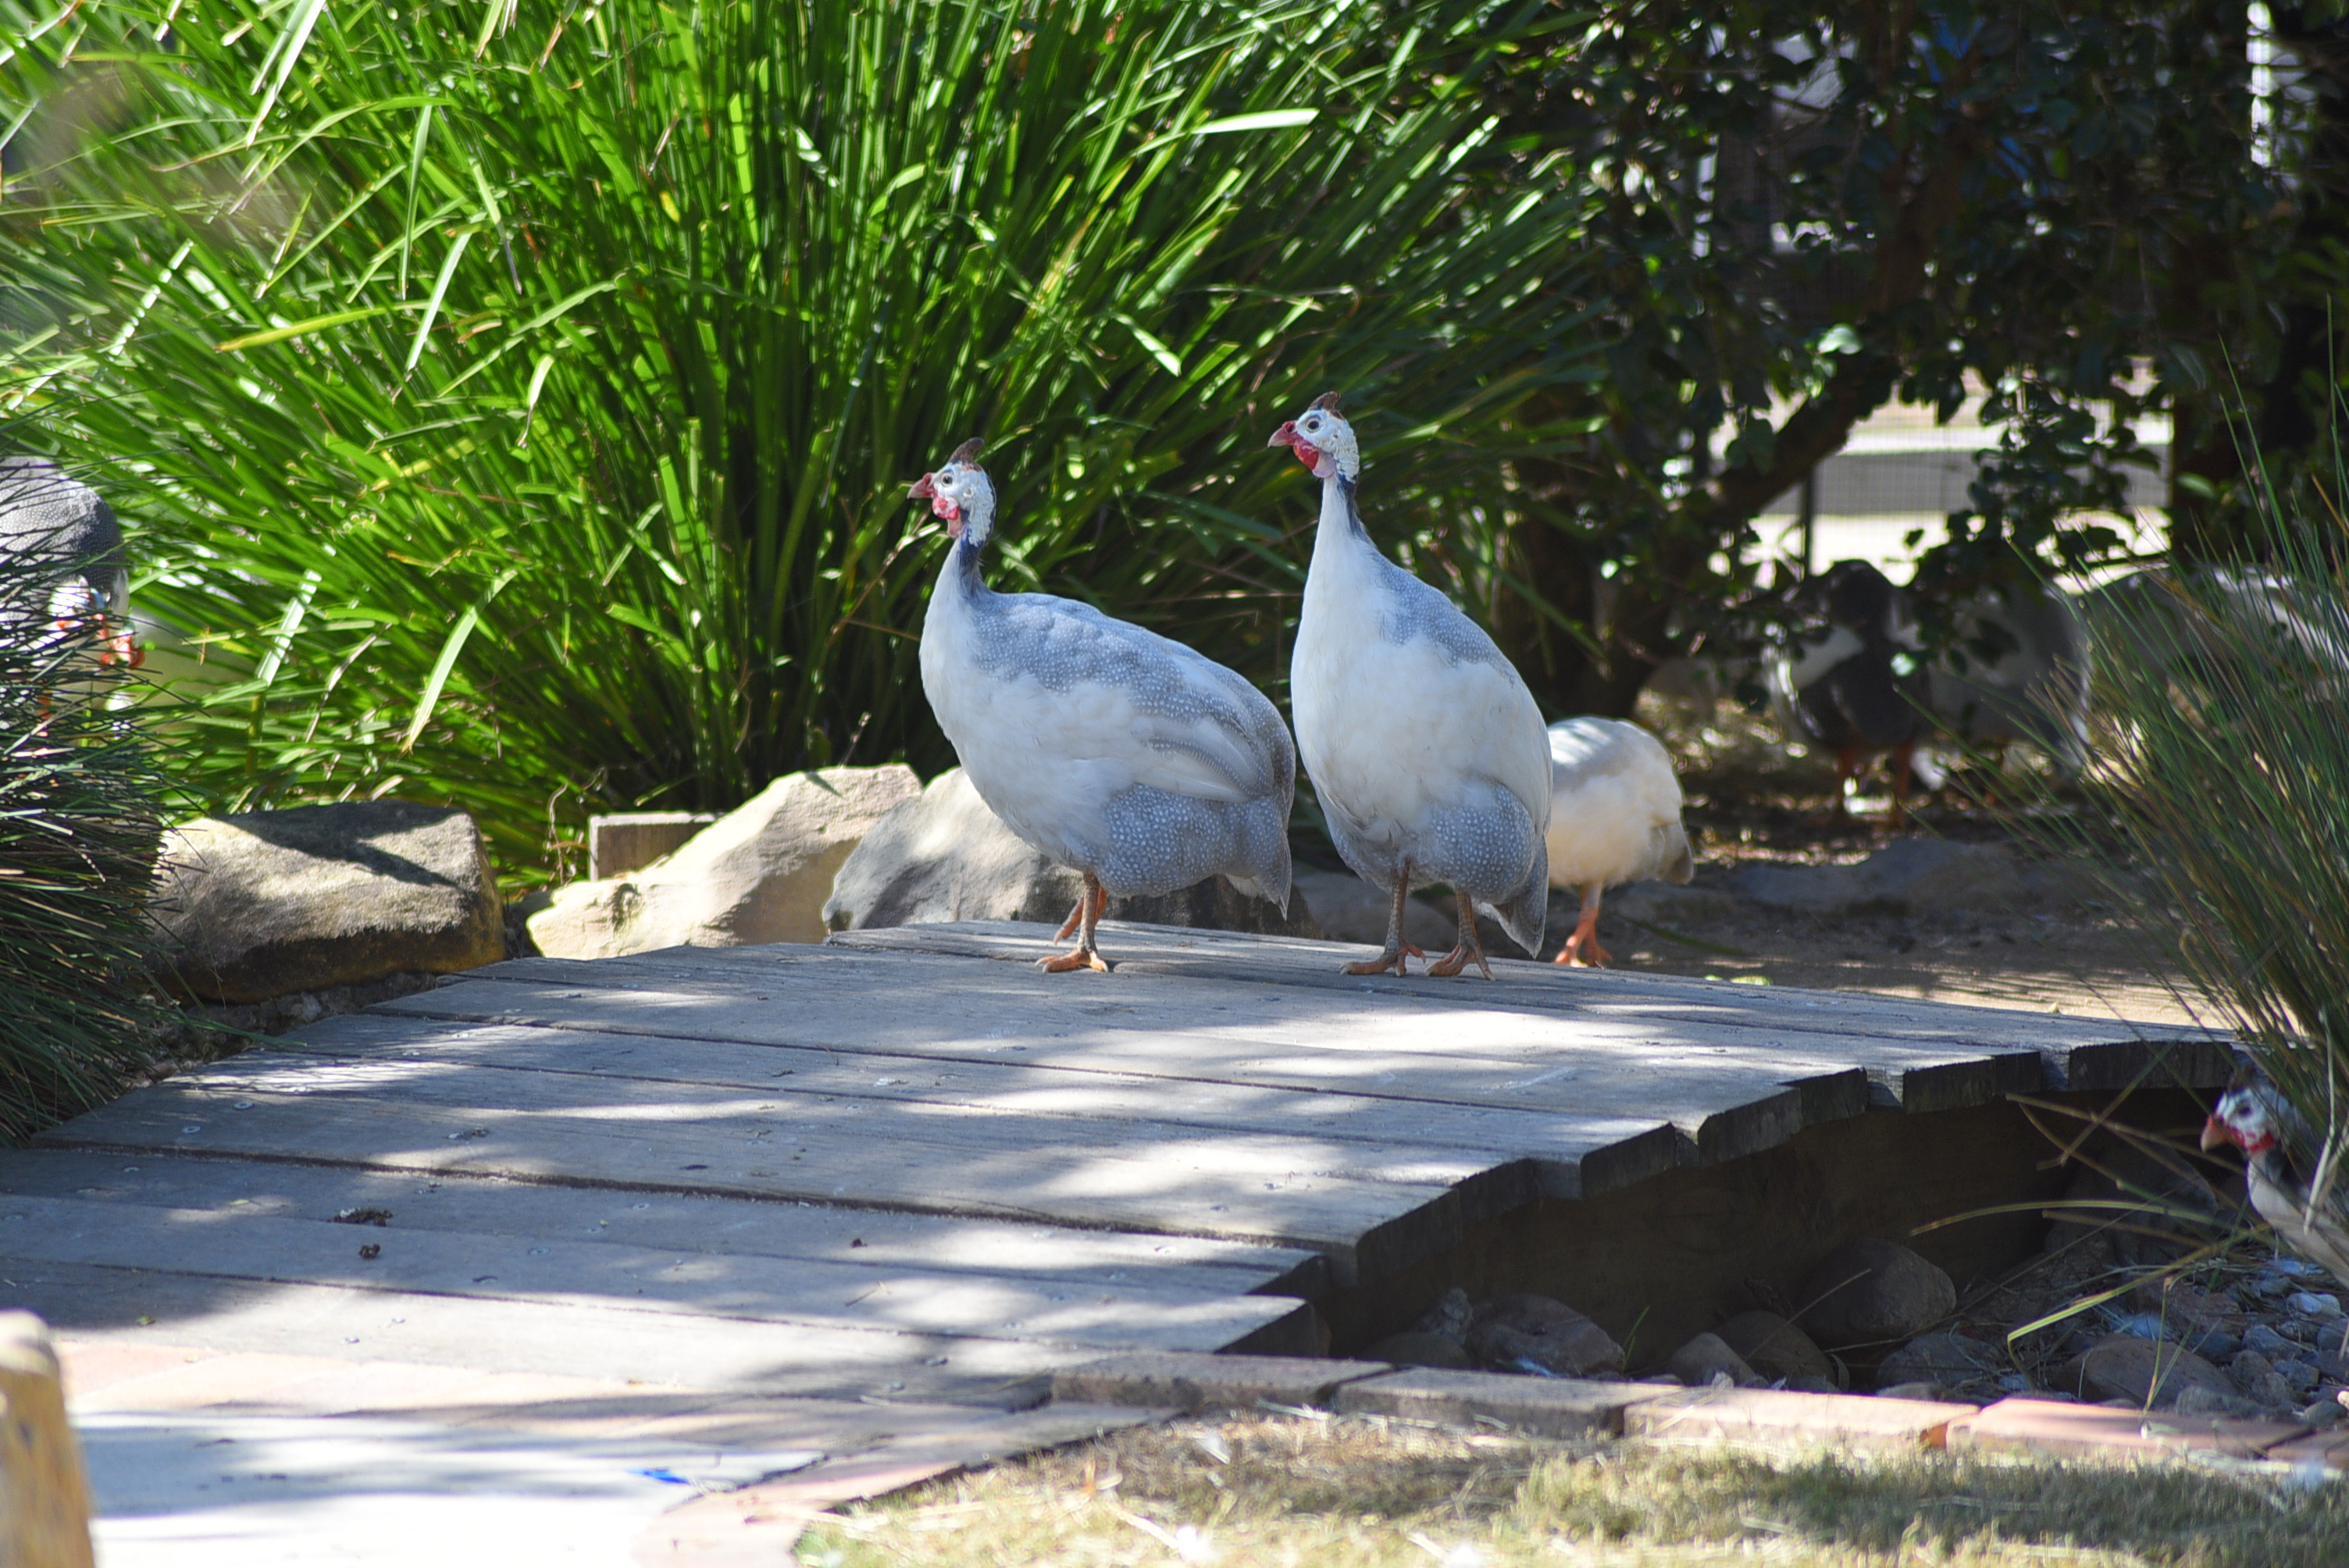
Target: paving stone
{"x":1777,"y":1415}
{"x":2041,"y":1426}
{"x":1182,"y":1381}
{"x":2328,"y":1449}
{"x":90,"y":1365}
{"x":1548,"y":1407}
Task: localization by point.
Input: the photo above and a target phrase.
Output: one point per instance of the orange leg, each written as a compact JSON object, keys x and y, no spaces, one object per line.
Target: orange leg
{"x":1076,"y":917}
{"x":1582,"y":949}
{"x":1904,"y":757}
{"x":1468,"y":950}
{"x":1090,"y":904}
{"x":1397,"y":948}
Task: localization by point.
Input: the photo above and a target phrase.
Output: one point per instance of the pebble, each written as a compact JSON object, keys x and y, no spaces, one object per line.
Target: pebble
{"x":2298,"y":1374}
{"x":2323,"y":1413}
{"x":2260,"y":1340}
{"x":2313,"y":1304}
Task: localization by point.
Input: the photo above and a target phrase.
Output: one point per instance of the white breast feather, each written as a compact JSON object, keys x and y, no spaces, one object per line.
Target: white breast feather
{"x":1401,"y":724}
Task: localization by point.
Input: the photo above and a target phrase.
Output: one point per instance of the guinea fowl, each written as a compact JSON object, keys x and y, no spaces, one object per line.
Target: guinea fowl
{"x":2311,"y":1216}
{"x":53,"y":523}
{"x":1858,"y":689}
{"x":1614,"y":818}
{"x":1426,"y":748}
{"x":1143,"y":763}
{"x":2033,"y":687}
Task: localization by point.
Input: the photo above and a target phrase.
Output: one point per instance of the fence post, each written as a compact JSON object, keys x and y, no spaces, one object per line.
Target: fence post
{"x":43,"y":1495}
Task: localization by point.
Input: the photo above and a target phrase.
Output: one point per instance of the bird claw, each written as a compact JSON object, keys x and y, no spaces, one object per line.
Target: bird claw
{"x":1385,"y":962}
{"x":1571,"y":954}
{"x":1458,"y":959}
{"x":1061,"y":963}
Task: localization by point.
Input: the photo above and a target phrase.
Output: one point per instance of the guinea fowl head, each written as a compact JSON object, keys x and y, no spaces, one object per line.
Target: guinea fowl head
{"x":1322,"y":440}
{"x":959,"y":493}
{"x":2242,"y":1117}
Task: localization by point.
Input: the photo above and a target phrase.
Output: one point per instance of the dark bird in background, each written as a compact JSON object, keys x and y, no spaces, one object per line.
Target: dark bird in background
{"x":1855,"y":687}
{"x":54,"y":527}
{"x":2017,"y":670}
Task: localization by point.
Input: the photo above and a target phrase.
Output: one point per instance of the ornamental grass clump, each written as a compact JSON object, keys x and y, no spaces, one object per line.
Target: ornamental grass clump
{"x":2223,"y":735}
{"x":78,"y":832}
{"x":519,"y":399}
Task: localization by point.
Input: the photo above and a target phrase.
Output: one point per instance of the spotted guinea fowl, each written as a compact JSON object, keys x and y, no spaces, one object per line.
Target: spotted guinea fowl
{"x":2309,"y":1213}
{"x":56,"y":527}
{"x":2017,"y":671}
{"x":1143,"y":765}
{"x":1426,"y":748}
{"x":1614,"y":818}
{"x":1855,"y":688}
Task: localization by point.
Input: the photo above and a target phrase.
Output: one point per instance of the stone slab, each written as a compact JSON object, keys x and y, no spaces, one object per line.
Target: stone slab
{"x":1194,"y":1382}
{"x":1782,"y":1416}
{"x":2047,"y":1427}
{"x":1550,"y":1407}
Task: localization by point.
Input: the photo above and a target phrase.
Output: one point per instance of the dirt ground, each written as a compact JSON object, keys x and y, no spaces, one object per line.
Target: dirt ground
{"x":2074,"y":961}
{"x":1752,"y":801}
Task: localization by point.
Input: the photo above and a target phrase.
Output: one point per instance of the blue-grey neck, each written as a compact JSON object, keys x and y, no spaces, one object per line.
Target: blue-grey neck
{"x":1346,"y":488}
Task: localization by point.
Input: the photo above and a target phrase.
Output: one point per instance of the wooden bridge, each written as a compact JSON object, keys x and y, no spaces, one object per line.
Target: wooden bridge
{"x":859,"y":1202}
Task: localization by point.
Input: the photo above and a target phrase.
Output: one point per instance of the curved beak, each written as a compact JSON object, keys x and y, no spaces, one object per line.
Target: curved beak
{"x":2215,"y":1132}
{"x":1286,"y":436}
{"x":920,"y":490}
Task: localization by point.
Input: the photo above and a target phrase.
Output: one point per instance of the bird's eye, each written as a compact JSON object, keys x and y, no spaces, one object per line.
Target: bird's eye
{"x":1314,"y":423}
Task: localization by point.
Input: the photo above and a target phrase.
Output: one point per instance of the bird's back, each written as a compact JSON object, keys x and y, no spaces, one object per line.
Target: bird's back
{"x":1615,"y":807}
{"x":1109,"y":748}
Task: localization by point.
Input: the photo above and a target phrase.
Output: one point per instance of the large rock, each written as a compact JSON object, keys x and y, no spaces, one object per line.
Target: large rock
{"x":1908,"y":876}
{"x":1349,"y":909}
{"x":759,"y":873}
{"x":1774,"y":1348}
{"x":1705,"y":1360}
{"x":2144,"y":1372}
{"x":943,"y":856}
{"x":1873,"y":1292}
{"x":1522,"y":1332}
{"x":1950,"y":1362}
{"x":266,"y":903}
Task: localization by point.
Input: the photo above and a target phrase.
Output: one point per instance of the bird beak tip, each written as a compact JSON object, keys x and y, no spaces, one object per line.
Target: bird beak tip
{"x":920,"y":490}
{"x":2214,"y":1133}
{"x":1286,"y":436}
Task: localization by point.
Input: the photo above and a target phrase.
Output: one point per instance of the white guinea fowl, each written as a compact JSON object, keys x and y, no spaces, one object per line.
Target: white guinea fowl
{"x":53,"y":524}
{"x":1426,"y":748}
{"x":1143,"y":763}
{"x":1614,"y":818}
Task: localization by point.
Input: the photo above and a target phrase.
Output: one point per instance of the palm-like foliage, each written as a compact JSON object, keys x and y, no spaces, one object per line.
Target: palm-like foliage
{"x":77,"y":836}
{"x":2224,"y":743}
{"x":519,"y":399}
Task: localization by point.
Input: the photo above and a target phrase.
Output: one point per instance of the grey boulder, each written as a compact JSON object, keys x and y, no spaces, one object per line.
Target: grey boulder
{"x":1706,"y":1360}
{"x":1908,"y":876}
{"x":264,"y":903}
{"x":1522,"y":1332}
{"x":1873,"y":1292}
{"x":1349,"y":909}
{"x":2143,"y":1372}
{"x":1774,"y":1348}
{"x":1947,"y":1361}
{"x":942,"y":855}
{"x":759,"y":873}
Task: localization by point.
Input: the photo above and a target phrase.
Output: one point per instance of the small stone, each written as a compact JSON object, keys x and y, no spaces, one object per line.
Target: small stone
{"x":1948,"y":1360}
{"x":1549,"y":1334}
{"x":2259,"y":1339}
{"x":2298,"y":1374}
{"x":1706,"y":1359}
{"x":2141,"y":1372}
{"x":1926,"y":1392}
{"x":1419,"y":1349}
{"x":2313,"y":1304}
{"x":1874,"y":1292}
{"x":1774,"y":1348}
{"x":2199,"y":1401}
{"x":2257,"y":1377}
{"x":2322,"y":1413}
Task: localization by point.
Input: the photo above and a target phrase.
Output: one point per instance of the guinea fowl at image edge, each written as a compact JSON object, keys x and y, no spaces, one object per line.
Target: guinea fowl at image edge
{"x":1425,"y":749}
{"x":1143,"y":763}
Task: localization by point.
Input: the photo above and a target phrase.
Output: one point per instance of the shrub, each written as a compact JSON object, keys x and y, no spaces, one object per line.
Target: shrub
{"x":519,"y":399}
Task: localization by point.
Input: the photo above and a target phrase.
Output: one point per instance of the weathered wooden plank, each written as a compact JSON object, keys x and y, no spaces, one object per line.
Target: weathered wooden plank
{"x":1059,"y":1086}
{"x":874,"y":1238}
{"x":554,"y":1271}
{"x":720,"y":1142}
{"x":92,"y":1302}
{"x":1173,"y":953}
{"x":1630,"y":1073}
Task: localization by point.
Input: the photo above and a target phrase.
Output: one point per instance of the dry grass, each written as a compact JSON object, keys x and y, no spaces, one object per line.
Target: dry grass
{"x":1364,"y":1493}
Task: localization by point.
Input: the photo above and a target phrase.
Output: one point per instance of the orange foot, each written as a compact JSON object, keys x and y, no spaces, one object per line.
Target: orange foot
{"x":1083,"y":958}
{"x":1391,"y":959}
{"x":1582,"y":951}
{"x":1458,"y":959}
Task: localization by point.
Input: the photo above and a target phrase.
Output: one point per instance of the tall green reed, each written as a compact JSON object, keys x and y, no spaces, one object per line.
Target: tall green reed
{"x":78,"y":830}
{"x":2222,"y":743}
{"x":519,"y":398}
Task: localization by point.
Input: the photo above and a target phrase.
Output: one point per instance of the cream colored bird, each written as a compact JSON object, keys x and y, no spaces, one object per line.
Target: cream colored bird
{"x":1424,"y":746}
{"x":1614,"y":818}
